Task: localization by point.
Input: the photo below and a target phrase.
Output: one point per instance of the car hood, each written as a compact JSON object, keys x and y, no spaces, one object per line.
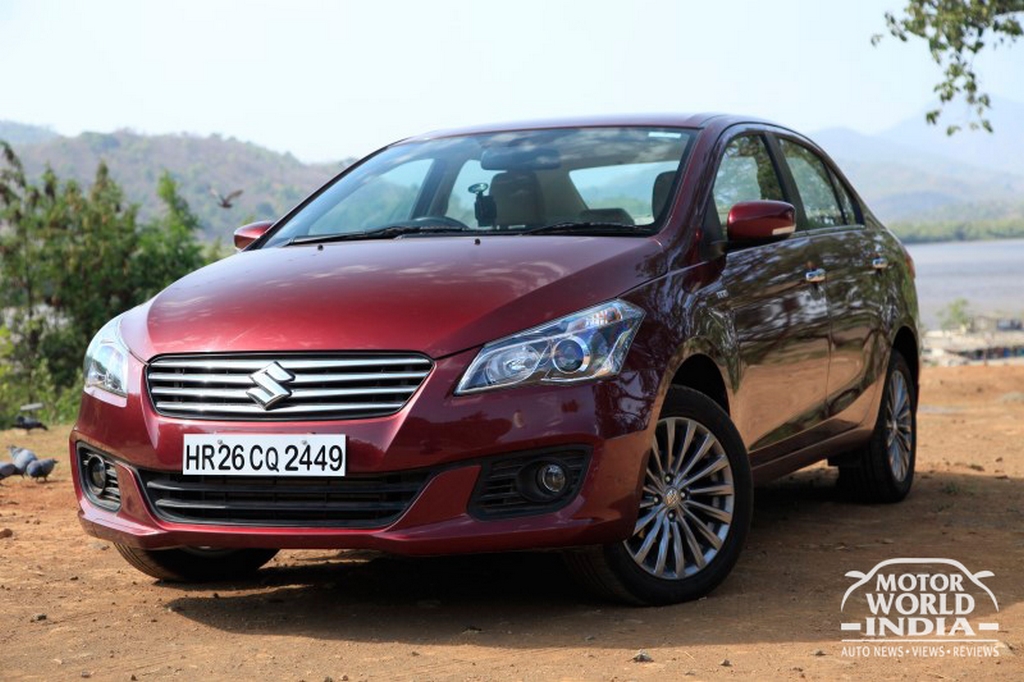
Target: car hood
{"x":435,"y":295}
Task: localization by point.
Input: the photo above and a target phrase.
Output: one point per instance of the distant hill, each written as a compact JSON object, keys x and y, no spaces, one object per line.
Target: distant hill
{"x":914,"y":174}
{"x":903,"y":183}
{"x":272,"y":182}
{"x":20,"y":133}
{"x":1002,"y":150}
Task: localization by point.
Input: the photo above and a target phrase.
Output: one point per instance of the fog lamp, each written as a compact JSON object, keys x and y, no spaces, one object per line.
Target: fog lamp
{"x":96,"y":474}
{"x":551,"y":478}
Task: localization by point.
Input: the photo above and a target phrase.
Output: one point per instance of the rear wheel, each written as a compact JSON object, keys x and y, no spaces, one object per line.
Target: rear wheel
{"x":196,"y":564}
{"x":694,"y":511}
{"x":884,"y":470}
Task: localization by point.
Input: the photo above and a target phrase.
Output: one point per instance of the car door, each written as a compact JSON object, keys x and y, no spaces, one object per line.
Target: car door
{"x":854,"y":283}
{"x":780,"y":317}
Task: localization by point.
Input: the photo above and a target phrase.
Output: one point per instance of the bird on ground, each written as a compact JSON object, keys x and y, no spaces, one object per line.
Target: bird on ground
{"x":40,"y":468}
{"x":28,"y":423}
{"x":7,"y":469}
{"x":21,"y":457}
{"x":225,"y":201}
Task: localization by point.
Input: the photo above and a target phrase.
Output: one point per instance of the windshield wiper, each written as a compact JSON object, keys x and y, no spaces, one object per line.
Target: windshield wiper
{"x":388,"y":232}
{"x":596,"y":227}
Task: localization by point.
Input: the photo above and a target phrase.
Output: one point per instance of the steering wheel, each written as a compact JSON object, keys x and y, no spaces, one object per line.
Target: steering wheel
{"x":442,"y":220}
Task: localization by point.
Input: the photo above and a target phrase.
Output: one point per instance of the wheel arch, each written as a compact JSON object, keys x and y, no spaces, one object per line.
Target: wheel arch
{"x":906,"y":343}
{"x":702,"y":374}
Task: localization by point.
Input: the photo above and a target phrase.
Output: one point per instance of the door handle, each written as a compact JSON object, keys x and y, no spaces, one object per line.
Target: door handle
{"x":880,"y":263}
{"x":815,"y":276}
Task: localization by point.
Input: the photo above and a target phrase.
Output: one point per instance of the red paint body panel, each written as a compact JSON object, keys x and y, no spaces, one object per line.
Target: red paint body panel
{"x":436,"y":295}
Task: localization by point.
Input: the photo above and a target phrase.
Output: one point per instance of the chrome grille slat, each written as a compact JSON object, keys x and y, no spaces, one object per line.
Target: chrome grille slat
{"x":301,"y":379}
{"x":253,"y":365}
{"x":316,"y":386}
{"x":298,"y":394}
{"x":290,"y":410}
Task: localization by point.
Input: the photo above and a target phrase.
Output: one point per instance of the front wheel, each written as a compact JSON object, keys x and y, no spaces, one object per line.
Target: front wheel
{"x":196,"y":564}
{"x":694,"y":511}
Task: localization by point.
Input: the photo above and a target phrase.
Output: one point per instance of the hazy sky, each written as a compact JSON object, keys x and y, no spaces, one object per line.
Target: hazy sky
{"x":326,"y":80}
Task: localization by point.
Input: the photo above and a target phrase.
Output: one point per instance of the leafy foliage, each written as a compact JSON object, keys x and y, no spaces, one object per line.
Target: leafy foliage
{"x":956,"y":315}
{"x":956,"y":31}
{"x":71,"y":259}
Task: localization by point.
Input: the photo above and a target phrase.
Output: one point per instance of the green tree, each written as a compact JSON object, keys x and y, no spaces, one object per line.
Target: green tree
{"x":26,"y":213}
{"x":956,"y":315}
{"x":92,"y":280}
{"x":69,"y":261}
{"x":956,"y":31}
{"x":169,"y":246}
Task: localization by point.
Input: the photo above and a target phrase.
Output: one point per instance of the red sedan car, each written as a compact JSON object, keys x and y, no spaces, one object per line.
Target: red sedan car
{"x":594,"y":335}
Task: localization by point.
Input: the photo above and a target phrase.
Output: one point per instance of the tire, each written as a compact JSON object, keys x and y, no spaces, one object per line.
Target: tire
{"x":196,"y":565}
{"x":659,"y":563}
{"x":883,"y":470}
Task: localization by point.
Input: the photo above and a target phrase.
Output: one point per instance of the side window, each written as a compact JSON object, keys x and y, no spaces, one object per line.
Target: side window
{"x":812,"y":181}
{"x":387,"y":201}
{"x":461,"y":203}
{"x":746,"y":173}
{"x":850,"y":214}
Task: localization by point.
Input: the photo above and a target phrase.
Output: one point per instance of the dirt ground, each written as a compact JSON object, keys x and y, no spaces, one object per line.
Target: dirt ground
{"x":71,"y":608}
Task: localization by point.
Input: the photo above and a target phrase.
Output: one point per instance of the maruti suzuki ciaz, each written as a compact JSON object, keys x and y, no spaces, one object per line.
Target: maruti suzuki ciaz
{"x":593,"y":335}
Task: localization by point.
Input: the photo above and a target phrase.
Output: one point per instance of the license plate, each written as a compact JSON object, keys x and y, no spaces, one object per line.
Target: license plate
{"x":263,"y":455}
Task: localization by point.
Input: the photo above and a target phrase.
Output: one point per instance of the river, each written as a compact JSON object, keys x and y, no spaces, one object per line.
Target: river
{"x":989,"y":274}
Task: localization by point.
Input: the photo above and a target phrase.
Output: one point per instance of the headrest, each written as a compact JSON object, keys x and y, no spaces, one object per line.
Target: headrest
{"x":662,"y":189}
{"x":518,"y":198}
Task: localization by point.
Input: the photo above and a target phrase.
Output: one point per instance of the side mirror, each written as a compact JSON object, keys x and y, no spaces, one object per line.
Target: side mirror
{"x":247,"y":234}
{"x":760,"y":221}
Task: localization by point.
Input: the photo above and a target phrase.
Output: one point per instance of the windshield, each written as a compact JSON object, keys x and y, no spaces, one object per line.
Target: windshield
{"x":596,"y":180}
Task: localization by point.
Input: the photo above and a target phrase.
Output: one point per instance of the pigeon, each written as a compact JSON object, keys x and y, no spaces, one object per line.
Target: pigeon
{"x":7,"y":469}
{"x":225,"y":201}
{"x":21,"y":457}
{"x":28,"y":423}
{"x":40,"y":468}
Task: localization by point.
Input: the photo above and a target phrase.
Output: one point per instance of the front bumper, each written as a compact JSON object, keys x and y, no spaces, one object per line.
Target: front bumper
{"x":450,"y":436}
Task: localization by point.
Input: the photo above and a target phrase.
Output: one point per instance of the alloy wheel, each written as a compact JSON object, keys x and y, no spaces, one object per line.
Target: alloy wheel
{"x":899,"y":426}
{"x":686,"y":509}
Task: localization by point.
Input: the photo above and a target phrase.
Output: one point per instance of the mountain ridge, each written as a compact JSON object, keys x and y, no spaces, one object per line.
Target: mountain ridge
{"x":272,"y":182}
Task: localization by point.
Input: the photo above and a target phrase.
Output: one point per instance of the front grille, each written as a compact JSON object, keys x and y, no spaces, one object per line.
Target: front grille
{"x":500,"y":492}
{"x":284,"y":387}
{"x":350,"y":502}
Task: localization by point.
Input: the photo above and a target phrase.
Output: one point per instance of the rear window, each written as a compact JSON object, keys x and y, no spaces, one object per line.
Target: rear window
{"x":814,"y":184}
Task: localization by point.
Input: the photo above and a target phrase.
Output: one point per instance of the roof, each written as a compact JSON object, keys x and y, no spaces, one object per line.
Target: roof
{"x":668,"y":120}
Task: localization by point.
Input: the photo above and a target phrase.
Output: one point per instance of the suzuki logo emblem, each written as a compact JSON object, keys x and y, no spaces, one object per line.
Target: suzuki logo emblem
{"x":269,"y":390}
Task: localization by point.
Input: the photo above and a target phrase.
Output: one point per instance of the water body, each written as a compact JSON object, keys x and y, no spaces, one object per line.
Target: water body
{"x":989,"y":274}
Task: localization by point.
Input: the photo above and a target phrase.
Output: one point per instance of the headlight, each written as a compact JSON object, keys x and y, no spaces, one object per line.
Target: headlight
{"x":585,"y":345}
{"x":106,"y":360}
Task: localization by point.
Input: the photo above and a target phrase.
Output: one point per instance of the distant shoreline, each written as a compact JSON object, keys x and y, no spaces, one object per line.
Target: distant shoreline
{"x":929,"y":233}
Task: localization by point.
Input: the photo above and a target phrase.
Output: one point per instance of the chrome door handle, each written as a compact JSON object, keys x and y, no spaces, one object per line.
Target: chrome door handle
{"x":815,"y":276}
{"x":880,"y":263}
